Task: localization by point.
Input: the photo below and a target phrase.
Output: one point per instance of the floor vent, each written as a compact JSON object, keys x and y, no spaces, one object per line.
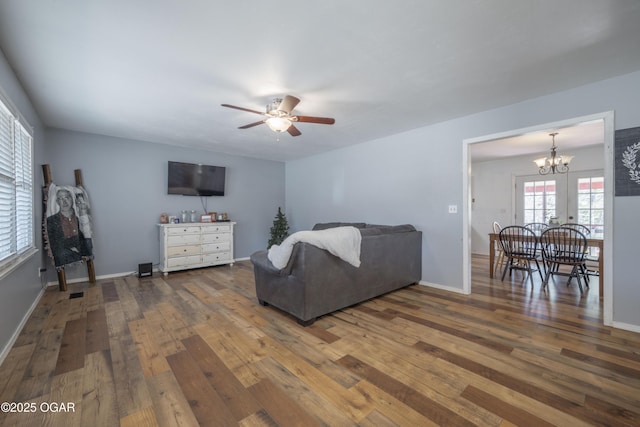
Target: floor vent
{"x":76,"y":295}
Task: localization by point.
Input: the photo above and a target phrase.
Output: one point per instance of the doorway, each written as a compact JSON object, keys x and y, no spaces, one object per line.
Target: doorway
{"x":607,"y":119}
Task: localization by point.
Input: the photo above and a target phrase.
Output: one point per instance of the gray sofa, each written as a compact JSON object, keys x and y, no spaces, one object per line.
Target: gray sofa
{"x":315,"y":282}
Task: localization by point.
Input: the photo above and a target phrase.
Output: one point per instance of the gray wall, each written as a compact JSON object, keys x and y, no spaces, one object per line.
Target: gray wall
{"x":412,"y":178}
{"x":127,"y":185}
{"x":19,"y":290}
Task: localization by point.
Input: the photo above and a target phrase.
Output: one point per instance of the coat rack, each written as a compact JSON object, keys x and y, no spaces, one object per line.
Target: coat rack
{"x":62,"y":279}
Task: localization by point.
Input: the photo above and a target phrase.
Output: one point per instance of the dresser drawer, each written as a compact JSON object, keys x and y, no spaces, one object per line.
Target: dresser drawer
{"x":216,"y":247}
{"x":184,"y":261}
{"x":217,"y":237}
{"x":195,"y":229}
{"x":222,"y":228}
{"x":175,"y":251}
{"x":183,"y":239}
{"x":215,"y":258}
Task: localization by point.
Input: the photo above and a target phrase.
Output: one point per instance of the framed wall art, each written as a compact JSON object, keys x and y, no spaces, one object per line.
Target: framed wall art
{"x":627,"y":162}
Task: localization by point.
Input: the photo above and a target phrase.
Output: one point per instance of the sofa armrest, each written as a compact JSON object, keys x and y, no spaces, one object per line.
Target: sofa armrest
{"x":260,"y":259}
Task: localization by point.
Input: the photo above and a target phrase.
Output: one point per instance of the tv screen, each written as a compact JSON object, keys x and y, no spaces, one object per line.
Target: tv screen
{"x":189,"y":179}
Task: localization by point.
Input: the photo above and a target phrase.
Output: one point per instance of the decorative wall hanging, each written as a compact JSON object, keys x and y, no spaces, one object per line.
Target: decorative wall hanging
{"x":68,"y":225}
{"x":69,"y":250}
{"x":627,"y":162}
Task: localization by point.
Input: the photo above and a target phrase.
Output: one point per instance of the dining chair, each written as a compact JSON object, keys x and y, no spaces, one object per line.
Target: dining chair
{"x":580,"y":227}
{"x":564,"y":246}
{"x":500,"y":259}
{"x":587,"y":232}
{"x":537,"y":227}
{"x":520,"y":246}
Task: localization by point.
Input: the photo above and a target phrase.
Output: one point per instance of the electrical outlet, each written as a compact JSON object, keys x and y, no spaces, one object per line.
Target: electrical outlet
{"x":453,"y":209}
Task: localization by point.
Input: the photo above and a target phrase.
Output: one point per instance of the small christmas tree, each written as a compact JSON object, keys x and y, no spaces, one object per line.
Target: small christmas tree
{"x":280,"y":229}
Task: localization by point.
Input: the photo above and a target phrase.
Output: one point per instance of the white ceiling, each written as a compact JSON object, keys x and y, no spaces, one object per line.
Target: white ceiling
{"x":158,"y":70}
{"x":567,"y":140}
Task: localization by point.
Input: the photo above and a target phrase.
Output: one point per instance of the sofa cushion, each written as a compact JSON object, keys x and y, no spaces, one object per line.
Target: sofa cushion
{"x":367,"y":231}
{"x":325,"y":225}
{"x":390,"y":229}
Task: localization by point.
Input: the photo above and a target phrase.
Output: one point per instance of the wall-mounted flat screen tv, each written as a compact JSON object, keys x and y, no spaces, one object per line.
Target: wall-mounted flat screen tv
{"x":189,"y":179}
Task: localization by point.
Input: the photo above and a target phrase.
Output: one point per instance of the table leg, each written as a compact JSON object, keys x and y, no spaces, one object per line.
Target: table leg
{"x":492,"y":255}
{"x":601,"y":273}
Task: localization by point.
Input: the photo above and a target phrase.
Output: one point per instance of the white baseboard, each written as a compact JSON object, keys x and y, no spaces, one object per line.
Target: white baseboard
{"x":106,"y":276}
{"x":7,"y":348}
{"x":112,"y":276}
{"x":627,"y":327}
{"x":443,"y":287}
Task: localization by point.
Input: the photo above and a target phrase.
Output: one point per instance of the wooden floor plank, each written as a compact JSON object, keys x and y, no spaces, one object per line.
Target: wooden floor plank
{"x":99,"y":401}
{"x":145,"y":417}
{"x":508,"y":412}
{"x":234,"y":395}
{"x":169,"y":402}
{"x":72,"y":348}
{"x":97,"y":331}
{"x":207,"y":406}
{"x":420,"y":403}
{"x":109,"y":292}
{"x":391,"y":408}
{"x":151,"y":359}
{"x":280,"y":406}
{"x":326,"y":411}
{"x":37,"y":376}
{"x":258,"y":419}
{"x":132,"y":390}
{"x":66,"y":389}
{"x":13,"y":369}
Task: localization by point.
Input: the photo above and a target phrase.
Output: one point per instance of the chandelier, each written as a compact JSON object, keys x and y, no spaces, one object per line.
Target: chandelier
{"x":554,"y":163}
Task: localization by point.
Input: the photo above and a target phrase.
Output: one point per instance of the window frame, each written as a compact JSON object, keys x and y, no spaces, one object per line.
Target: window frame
{"x":18,"y":130}
{"x":543,"y":195}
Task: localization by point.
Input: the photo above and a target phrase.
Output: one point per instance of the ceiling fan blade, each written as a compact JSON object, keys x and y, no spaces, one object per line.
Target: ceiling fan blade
{"x":293,"y":131}
{"x":243,"y":109}
{"x":321,"y":120}
{"x":250,"y":125}
{"x":288,"y":103}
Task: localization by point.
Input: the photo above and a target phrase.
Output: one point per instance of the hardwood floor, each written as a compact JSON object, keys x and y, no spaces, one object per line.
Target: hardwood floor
{"x":196,"y":348}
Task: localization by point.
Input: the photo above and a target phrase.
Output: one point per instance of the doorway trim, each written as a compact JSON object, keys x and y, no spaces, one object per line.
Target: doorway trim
{"x":609,"y":137}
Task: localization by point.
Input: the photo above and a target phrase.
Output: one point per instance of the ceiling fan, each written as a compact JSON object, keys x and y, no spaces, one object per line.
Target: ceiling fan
{"x":279,"y":118}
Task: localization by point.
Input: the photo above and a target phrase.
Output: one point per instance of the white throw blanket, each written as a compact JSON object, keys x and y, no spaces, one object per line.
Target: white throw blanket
{"x":343,"y":242}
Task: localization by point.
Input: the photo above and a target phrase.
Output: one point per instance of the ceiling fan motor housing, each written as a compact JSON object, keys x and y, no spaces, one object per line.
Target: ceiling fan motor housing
{"x":273,"y":108}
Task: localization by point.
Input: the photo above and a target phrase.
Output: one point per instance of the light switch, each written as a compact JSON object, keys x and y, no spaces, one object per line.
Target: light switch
{"x":453,"y":209}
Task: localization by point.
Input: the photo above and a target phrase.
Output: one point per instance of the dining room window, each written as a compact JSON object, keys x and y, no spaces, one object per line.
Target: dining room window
{"x":539,"y":200}
{"x":590,"y":203}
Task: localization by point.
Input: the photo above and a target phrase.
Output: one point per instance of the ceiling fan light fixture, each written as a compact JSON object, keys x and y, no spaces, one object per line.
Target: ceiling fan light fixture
{"x":278,"y":124}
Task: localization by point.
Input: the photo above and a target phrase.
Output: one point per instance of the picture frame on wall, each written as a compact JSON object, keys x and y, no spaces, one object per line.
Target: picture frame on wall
{"x":627,"y":162}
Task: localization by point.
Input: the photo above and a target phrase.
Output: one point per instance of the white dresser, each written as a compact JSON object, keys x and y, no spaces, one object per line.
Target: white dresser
{"x":194,"y":245}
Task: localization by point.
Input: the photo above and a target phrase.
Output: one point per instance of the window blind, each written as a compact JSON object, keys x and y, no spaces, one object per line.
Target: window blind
{"x":16,"y":188}
{"x":24,"y":189}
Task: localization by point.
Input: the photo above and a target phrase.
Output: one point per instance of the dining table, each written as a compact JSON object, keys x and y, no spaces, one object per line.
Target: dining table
{"x":592,"y":242}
